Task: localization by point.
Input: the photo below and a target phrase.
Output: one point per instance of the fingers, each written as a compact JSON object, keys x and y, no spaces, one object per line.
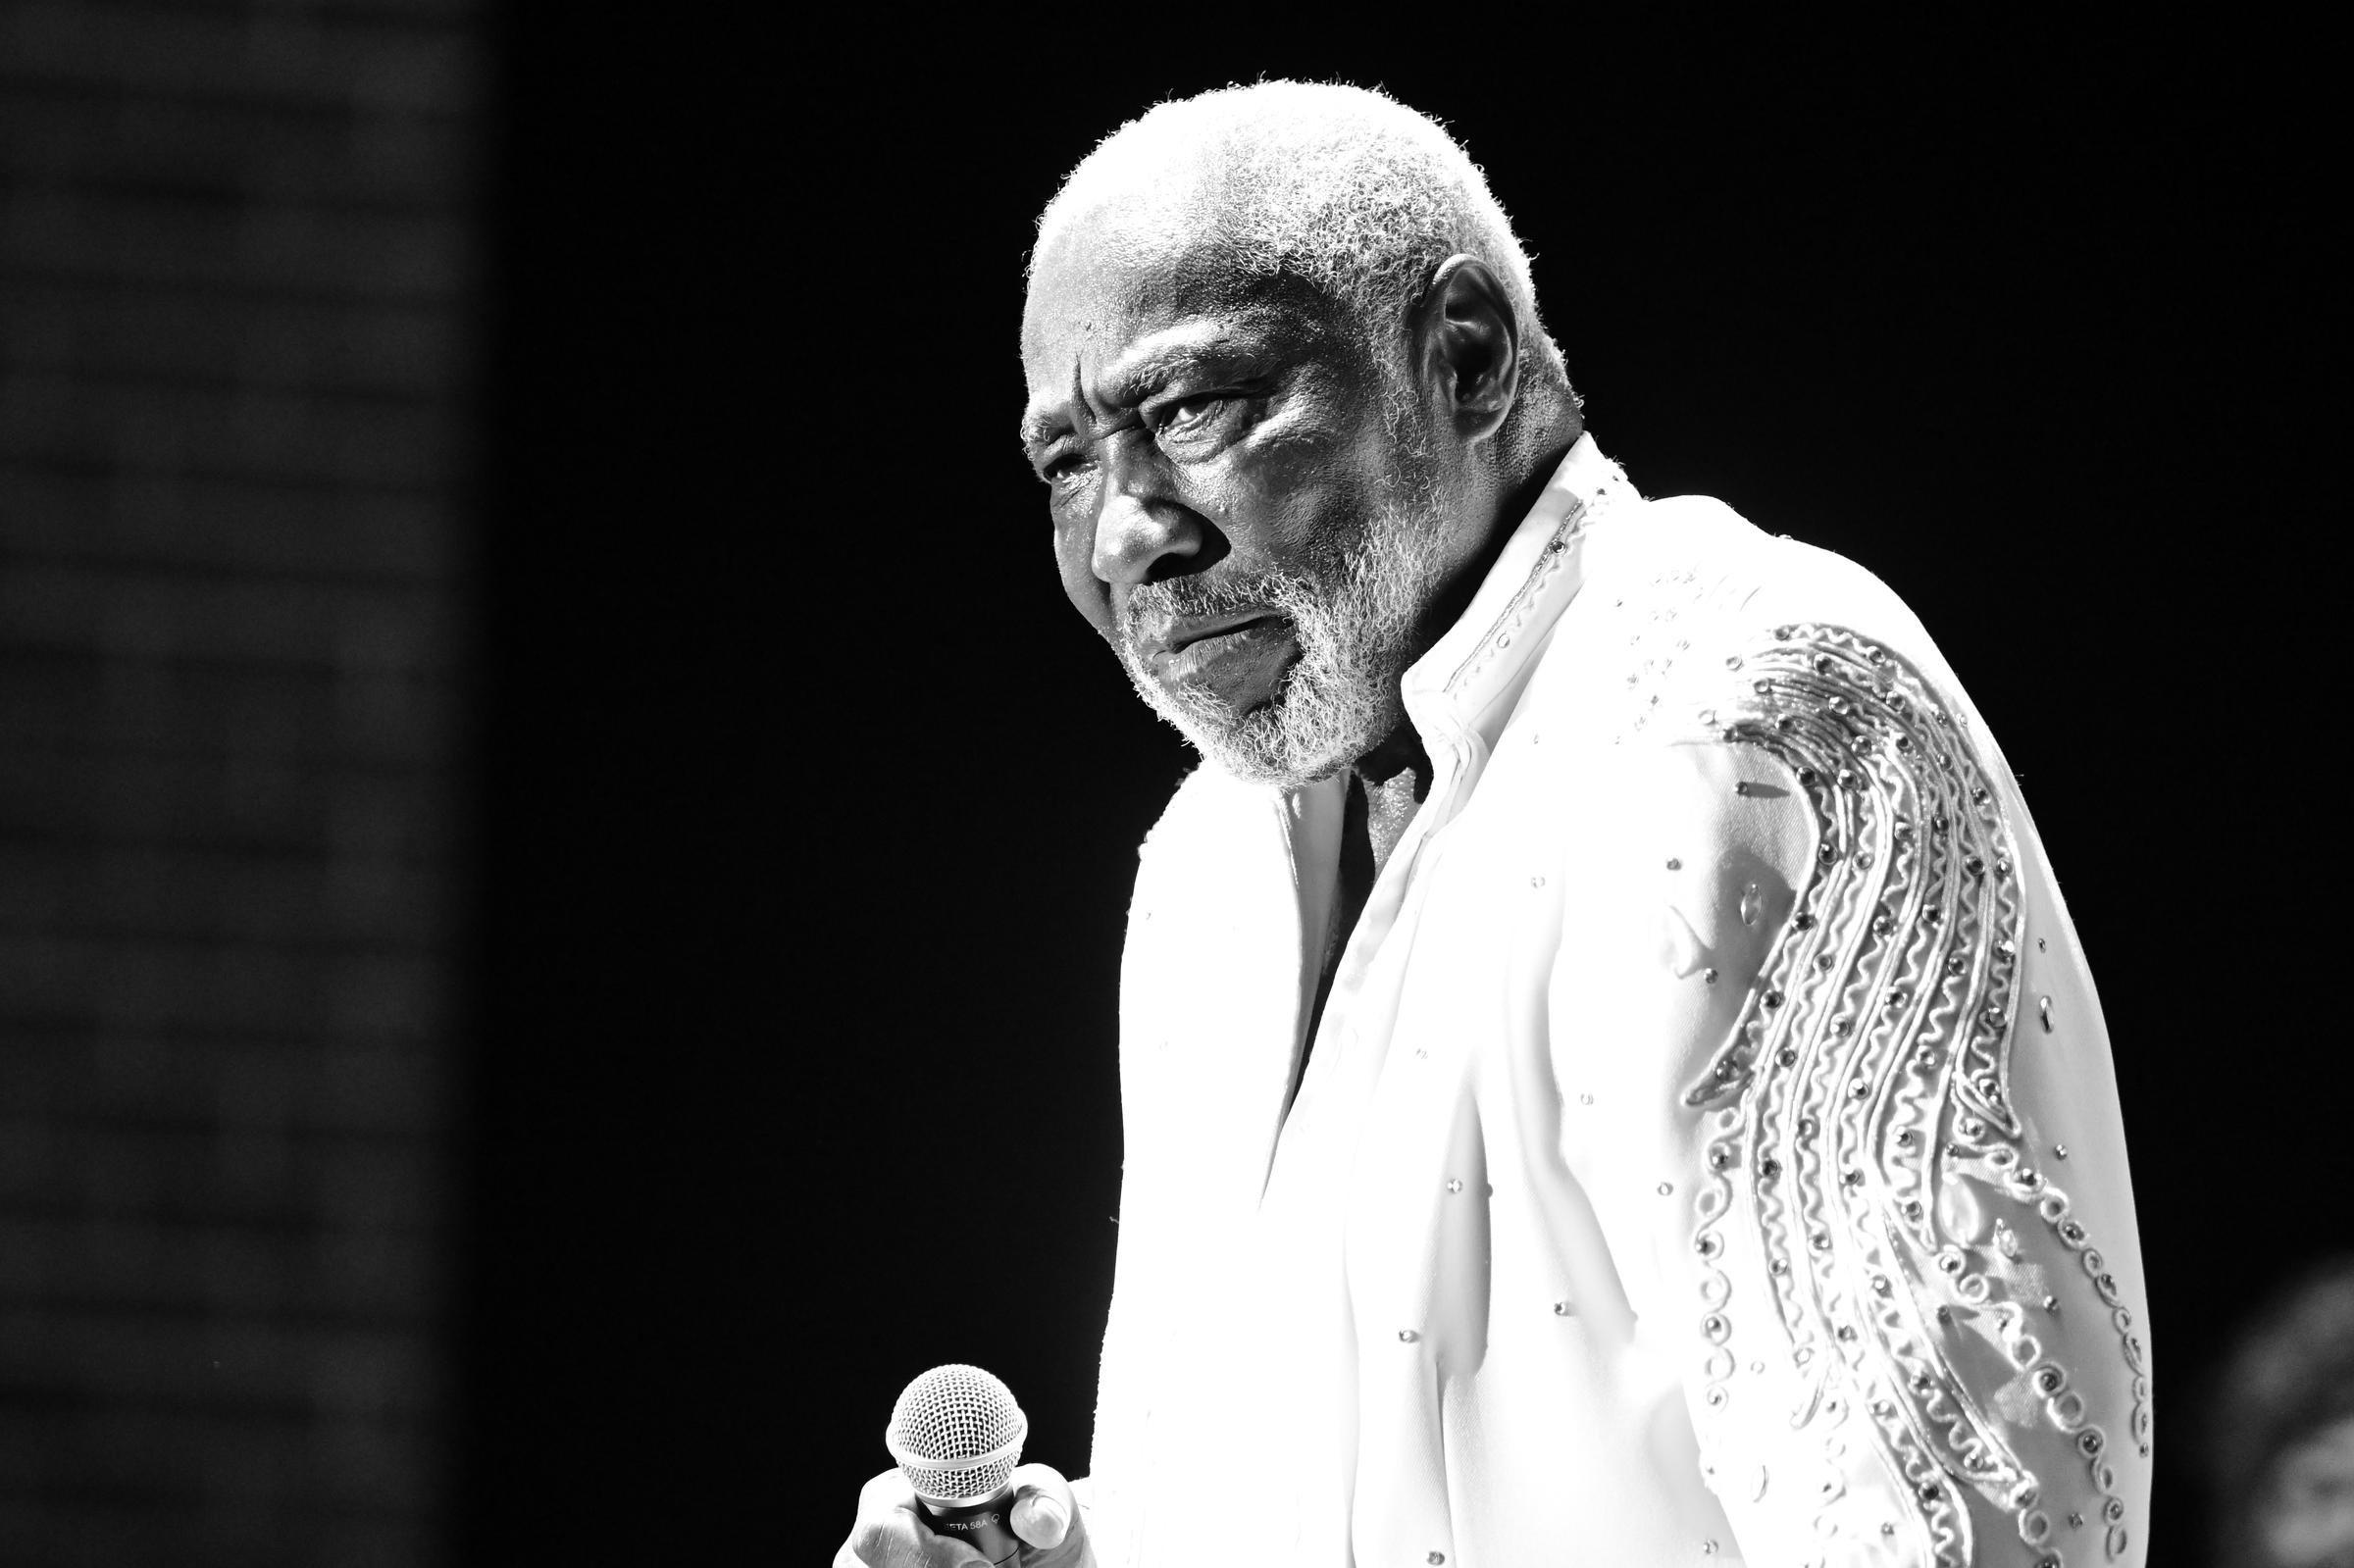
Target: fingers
{"x":889,"y":1534}
{"x":1043,"y":1509}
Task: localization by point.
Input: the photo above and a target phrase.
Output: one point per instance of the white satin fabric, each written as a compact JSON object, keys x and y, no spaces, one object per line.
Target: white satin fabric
{"x":1446,"y":1306}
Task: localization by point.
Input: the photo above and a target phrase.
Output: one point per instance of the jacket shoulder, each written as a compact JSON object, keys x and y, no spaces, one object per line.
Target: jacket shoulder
{"x":1698,"y":546}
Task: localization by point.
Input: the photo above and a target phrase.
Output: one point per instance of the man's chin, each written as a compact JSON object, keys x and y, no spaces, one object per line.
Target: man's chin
{"x":1306,"y":725}
{"x":1249,"y":747}
{"x":1269,"y":745}
{"x":1255,"y":767}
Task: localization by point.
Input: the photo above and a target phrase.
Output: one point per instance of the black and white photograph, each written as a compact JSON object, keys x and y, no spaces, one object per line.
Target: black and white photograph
{"x":1087,"y":791}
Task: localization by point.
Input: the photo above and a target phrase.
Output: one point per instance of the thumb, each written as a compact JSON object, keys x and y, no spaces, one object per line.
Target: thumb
{"x":1044,"y":1510}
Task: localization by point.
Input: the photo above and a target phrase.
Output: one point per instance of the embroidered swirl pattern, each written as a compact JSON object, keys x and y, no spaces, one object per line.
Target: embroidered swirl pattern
{"x":1868,"y":1073}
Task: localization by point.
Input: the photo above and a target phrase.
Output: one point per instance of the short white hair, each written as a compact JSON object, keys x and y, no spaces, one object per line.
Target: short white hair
{"x":1341,"y":187}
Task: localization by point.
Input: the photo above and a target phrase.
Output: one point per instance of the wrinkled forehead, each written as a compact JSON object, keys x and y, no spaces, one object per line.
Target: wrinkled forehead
{"x":1106,"y":273}
{"x":1104,"y":281}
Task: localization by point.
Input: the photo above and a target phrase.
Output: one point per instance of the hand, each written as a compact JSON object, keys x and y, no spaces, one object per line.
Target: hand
{"x":890,"y":1534}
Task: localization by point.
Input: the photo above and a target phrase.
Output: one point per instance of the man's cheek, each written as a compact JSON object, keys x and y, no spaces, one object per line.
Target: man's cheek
{"x":1090,"y":595}
{"x":1091,"y":599}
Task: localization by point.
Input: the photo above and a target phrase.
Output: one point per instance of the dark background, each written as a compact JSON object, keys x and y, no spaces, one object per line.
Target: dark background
{"x":562,"y":856}
{"x":242,"y":271}
{"x":811,"y":807}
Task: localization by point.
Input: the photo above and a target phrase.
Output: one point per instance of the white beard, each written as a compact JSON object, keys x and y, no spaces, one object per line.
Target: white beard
{"x":1356,"y":625}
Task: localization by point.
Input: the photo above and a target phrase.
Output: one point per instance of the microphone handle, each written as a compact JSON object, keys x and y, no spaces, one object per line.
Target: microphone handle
{"x":981,"y":1526}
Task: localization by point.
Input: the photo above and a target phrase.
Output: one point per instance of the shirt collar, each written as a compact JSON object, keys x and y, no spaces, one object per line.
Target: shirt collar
{"x":1483,"y":656}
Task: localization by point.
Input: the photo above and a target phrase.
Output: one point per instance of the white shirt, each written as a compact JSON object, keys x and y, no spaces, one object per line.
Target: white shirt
{"x":1709,"y":1149}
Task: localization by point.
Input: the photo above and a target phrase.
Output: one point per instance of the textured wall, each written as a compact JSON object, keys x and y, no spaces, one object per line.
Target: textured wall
{"x":236,"y":255}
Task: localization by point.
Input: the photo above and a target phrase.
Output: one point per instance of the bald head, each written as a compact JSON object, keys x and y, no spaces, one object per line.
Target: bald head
{"x":1340,"y":190}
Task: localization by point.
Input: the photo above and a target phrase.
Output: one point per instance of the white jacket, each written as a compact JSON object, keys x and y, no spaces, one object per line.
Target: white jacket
{"x":1709,"y":1151}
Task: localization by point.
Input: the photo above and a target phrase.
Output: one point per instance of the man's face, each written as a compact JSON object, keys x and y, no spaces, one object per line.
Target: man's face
{"x":1243,"y":500}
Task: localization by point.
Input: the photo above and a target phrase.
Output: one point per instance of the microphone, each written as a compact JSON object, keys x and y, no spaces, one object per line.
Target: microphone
{"x":956,"y":1435}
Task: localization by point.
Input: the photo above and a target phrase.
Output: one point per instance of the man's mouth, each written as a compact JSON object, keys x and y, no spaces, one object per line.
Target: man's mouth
{"x":1185,"y":633}
{"x":1239,"y":659}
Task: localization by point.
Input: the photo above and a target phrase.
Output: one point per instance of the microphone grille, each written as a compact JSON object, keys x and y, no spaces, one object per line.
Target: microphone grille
{"x":956,"y":1433}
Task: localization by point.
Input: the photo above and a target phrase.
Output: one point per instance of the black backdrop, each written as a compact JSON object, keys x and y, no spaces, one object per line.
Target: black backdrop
{"x":807,"y":808}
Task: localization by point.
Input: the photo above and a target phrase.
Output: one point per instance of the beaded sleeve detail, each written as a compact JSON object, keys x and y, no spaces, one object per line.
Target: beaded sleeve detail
{"x":1865,"y":1083}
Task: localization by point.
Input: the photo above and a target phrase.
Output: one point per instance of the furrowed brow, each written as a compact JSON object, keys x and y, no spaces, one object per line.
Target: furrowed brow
{"x":1041,"y":426}
{"x":1130,"y":381}
{"x":1127,"y":385}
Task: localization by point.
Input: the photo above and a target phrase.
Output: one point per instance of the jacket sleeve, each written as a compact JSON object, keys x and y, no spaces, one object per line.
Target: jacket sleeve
{"x":1917,"y":1335}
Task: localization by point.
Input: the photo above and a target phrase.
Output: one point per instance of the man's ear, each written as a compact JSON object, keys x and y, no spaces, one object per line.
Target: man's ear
{"x":1467,"y":345}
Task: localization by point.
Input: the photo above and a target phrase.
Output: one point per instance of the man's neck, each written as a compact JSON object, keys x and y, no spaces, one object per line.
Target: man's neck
{"x":1395,"y":774}
{"x":1524,"y":481}
{"x":1395,"y":777}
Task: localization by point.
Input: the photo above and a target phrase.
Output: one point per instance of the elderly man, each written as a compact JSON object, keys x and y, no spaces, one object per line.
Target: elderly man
{"x":1608,"y":1074}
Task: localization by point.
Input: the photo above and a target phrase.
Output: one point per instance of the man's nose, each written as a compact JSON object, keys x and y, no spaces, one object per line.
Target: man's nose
{"x":1137,"y":534}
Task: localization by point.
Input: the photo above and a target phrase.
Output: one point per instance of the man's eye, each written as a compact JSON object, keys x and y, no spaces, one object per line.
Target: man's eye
{"x":1193,"y":411}
{"x":1061,"y":471}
